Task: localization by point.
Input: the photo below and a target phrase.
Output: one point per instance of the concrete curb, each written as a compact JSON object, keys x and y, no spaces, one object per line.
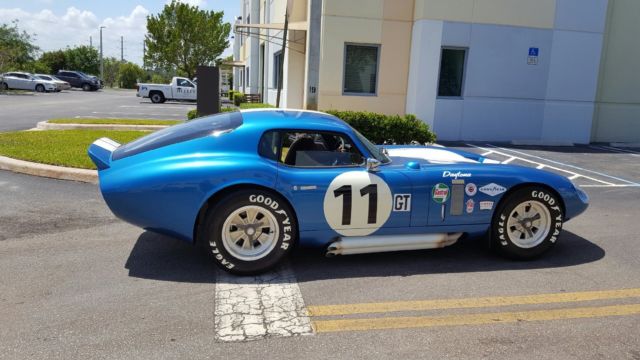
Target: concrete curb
{"x":44,"y":125}
{"x":623,"y":145}
{"x":48,"y":171}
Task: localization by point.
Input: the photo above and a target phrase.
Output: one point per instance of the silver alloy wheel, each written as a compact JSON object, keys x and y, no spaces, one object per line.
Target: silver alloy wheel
{"x":250,"y":233}
{"x":528,"y":224}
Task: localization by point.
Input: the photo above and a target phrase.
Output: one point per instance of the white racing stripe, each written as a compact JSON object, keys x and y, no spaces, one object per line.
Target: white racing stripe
{"x":257,"y":307}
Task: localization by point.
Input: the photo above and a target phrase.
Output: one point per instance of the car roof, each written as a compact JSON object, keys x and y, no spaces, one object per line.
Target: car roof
{"x":293,"y":119}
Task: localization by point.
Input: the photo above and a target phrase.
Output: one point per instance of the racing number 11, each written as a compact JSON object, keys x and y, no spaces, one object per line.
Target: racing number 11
{"x":346,"y":192}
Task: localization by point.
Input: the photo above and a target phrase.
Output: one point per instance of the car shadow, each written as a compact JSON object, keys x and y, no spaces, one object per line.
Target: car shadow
{"x":163,"y":258}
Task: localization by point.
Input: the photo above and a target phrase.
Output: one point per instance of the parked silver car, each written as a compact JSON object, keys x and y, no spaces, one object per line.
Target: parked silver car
{"x":26,"y":81}
{"x":62,"y":85}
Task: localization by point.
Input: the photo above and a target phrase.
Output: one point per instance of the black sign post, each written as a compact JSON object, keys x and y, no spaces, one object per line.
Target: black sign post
{"x":208,"y":90}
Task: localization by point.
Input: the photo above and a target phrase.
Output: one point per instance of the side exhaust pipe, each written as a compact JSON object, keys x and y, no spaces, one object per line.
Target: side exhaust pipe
{"x":350,"y":245}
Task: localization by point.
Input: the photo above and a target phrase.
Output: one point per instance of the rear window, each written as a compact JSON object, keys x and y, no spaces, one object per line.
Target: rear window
{"x":172,"y":135}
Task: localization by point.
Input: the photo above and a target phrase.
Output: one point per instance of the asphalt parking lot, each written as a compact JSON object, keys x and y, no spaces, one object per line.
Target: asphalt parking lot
{"x":78,"y":283}
{"x":24,"y":111}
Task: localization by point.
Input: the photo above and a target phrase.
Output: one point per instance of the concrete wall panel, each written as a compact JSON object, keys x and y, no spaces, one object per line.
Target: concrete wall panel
{"x":581,"y":15}
{"x":567,"y":121}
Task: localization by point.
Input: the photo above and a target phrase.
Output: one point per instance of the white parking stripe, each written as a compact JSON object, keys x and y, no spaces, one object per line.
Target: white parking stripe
{"x":257,"y":307}
{"x":509,"y":160}
{"x":140,"y":113}
{"x":610,"y":148}
{"x":567,"y":165}
{"x":537,"y":164}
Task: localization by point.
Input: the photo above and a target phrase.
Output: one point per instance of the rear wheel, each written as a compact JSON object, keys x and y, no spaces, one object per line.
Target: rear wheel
{"x":40,"y":88}
{"x":527,"y":223}
{"x":157,"y":98}
{"x":249,"y":231}
{"x":4,"y":86}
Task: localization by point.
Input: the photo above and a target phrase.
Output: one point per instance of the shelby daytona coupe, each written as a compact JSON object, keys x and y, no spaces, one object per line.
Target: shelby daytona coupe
{"x":249,"y":185}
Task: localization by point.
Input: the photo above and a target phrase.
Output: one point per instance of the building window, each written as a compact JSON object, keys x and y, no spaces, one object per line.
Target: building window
{"x":360,"y":69}
{"x":452,"y":64}
{"x":246,"y":76}
{"x":278,"y":59}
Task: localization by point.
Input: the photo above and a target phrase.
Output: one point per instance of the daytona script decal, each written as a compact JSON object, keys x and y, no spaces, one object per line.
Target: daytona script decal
{"x":357,"y":203}
{"x":455,"y":175}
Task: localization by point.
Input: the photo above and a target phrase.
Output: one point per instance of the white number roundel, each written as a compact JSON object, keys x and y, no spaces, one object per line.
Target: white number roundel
{"x":357,"y":203}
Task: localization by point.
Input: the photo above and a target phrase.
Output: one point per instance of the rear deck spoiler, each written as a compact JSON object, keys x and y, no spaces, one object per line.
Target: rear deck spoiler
{"x":100,"y":152}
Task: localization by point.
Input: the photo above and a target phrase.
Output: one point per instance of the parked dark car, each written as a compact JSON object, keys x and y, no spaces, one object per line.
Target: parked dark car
{"x":78,"y":79}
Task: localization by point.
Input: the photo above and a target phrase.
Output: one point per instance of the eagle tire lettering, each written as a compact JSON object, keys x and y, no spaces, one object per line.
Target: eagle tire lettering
{"x":500,"y":224}
{"x":287,"y":231}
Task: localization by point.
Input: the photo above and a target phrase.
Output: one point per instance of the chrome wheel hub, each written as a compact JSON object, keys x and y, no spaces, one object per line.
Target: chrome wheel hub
{"x":529,"y":224}
{"x":250,"y":233}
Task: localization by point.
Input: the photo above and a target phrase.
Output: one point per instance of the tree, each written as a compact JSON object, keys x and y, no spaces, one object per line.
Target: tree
{"x":129,"y":75}
{"x":83,"y":58}
{"x":55,"y":60}
{"x":16,"y":47}
{"x":183,"y":36}
{"x":111,"y":70}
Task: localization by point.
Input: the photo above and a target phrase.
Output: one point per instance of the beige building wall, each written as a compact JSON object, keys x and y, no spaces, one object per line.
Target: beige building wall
{"x":617,"y":115}
{"x":387,"y":23}
{"x":529,"y":13}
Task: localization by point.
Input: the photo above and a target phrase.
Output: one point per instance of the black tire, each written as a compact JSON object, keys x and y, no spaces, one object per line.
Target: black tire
{"x":157,"y":98}
{"x":4,"y":86}
{"x":219,"y":229}
{"x":40,"y":88}
{"x":518,"y":233}
{"x":86,"y":87}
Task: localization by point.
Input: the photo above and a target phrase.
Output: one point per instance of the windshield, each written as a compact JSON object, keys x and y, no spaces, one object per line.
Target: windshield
{"x":44,"y":77}
{"x":376,"y":152}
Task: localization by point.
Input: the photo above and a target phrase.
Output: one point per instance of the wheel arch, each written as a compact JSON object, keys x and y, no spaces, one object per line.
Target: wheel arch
{"x":226,"y":190}
{"x":530,"y":184}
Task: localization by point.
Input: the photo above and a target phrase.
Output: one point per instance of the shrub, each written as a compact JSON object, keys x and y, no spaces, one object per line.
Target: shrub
{"x":192,"y":114}
{"x":387,"y":129}
{"x":238,"y":98}
{"x":245,"y":106}
{"x":231,"y":92}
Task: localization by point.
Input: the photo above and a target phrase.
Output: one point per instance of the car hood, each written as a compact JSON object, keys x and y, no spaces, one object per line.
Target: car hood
{"x":434,"y":155}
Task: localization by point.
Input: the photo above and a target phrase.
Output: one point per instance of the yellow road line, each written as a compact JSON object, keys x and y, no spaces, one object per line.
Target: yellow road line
{"x":472,"y":319}
{"x":347,"y":309}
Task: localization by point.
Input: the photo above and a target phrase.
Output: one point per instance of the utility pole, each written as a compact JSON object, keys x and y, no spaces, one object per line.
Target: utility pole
{"x":284,"y":48}
{"x":101,"y":62}
{"x":90,"y":41}
{"x":144,"y":51}
{"x":122,"y":48}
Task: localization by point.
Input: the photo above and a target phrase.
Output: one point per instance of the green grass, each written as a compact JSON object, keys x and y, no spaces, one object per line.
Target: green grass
{"x":114,"y":121}
{"x":58,"y":147}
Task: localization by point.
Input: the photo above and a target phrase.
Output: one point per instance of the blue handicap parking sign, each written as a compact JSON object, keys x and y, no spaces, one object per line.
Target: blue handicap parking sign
{"x":533,"y":51}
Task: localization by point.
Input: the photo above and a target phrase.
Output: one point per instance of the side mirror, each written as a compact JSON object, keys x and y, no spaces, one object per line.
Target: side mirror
{"x":372,"y":165}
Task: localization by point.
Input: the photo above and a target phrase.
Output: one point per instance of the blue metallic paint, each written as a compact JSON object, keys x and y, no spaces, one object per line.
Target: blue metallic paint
{"x":164,"y":189}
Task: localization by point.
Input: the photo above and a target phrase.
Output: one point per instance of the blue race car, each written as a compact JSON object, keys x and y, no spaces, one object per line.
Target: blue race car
{"x":249,"y":185}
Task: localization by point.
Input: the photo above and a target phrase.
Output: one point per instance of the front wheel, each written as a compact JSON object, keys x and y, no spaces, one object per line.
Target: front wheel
{"x":527,"y":223}
{"x":4,"y":86}
{"x":86,"y":87}
{"x":249,"y":231}
{"x":40,"y":88}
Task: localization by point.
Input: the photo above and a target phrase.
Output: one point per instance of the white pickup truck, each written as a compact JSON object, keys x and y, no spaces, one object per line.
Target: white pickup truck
{"x":181,"y":89}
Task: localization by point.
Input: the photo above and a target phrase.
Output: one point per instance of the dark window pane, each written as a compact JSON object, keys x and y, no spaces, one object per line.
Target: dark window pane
{"x":451,"y":72}
{"x":360,"y":69}
{"x":269,"y":144}
{"x":308,"y":149}
{"x":277,"y":69}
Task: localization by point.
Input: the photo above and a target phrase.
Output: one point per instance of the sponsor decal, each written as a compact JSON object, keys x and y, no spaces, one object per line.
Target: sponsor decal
{"x":455,"y":175}
{"x":486,"y":205}
{"x":457,"y":182}
{"x":471,"y":189}
{"x":470,"y":205}
{"x":492,"y":189}
{"x":440,"y":193}
{"x":402,"y":202}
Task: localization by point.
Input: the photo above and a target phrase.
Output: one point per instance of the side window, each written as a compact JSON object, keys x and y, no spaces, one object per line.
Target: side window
{"x":451,"y":72}
{"x":269,"y":144}
{"x":183,"y":82}
{"x":318,"y":149}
